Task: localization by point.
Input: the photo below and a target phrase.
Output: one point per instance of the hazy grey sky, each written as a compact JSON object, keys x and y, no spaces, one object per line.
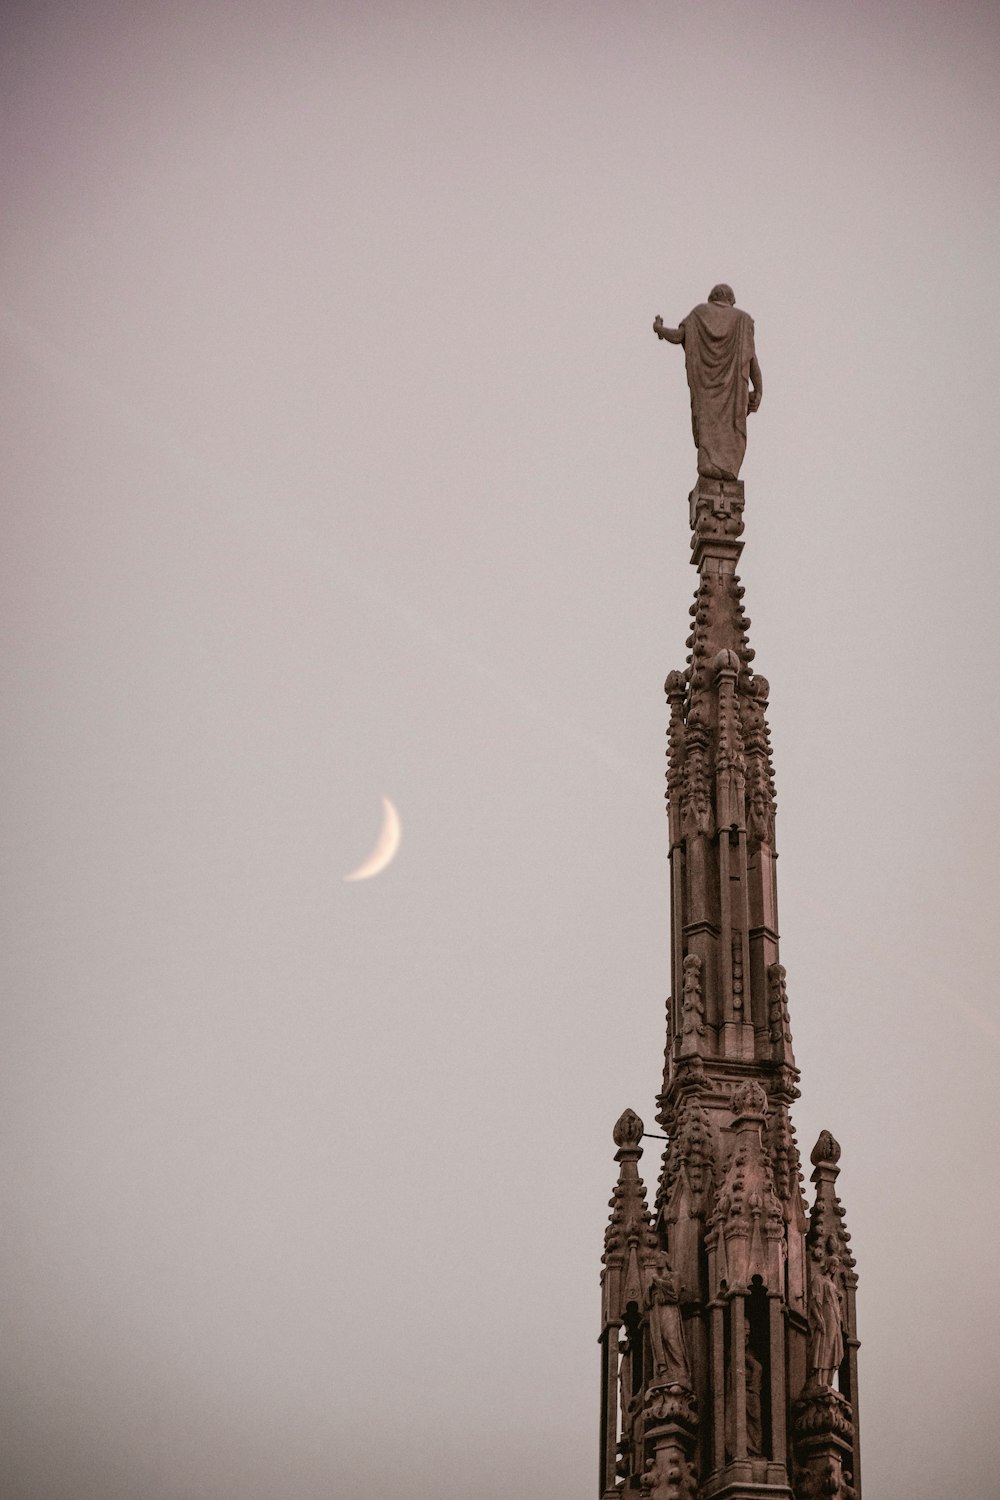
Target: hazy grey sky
{"x":339,"y":460}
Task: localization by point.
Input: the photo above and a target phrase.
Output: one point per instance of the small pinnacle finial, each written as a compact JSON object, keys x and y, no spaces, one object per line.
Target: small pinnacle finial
{"x":726,"y":661}
{"x":826,"y":1149}
{"x":749,"y":1100}
{"x":628,"y":1131}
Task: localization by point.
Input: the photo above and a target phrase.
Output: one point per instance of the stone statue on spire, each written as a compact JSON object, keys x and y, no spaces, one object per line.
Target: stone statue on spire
{"x":723,"y":376}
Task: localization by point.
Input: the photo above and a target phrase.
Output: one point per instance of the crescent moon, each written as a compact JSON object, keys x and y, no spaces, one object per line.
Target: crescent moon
{"x":385,"y":849}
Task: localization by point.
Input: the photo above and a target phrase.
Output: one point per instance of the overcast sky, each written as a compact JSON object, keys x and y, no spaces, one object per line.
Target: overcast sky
{"x":339,"y":461}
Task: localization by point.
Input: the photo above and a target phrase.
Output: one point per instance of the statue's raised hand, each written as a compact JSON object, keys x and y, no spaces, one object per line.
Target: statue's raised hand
{"x":672,"y":335}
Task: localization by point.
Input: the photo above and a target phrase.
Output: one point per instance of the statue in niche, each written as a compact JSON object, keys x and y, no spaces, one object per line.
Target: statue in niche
{"x":827,"y":1319}
{"x":754,"y":1381}
{"x":723,"y":376}
{"x":666,"y":1332}
{"x":752,"y":1384}
{"x":625,"y":1388}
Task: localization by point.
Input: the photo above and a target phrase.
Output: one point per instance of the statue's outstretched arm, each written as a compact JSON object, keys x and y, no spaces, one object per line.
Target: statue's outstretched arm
{"x":757,"y":385}
{"x":672,"y":335}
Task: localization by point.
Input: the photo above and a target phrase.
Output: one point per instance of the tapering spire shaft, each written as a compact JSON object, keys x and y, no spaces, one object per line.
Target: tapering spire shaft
{"x":759,"y":1298}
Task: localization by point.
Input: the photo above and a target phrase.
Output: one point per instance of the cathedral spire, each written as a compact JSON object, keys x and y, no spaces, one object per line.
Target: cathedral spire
{"x":721,"y":805}
{"x":729,"y":1348}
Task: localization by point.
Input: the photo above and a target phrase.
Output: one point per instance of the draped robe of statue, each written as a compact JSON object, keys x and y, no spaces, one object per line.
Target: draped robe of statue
{"x":826,"y":1326}
{"x":666,"y":1333}
{"x":718,"y":351}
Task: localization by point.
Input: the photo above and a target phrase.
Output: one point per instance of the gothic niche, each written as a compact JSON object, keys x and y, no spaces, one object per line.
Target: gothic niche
{"x":751,"y":1332}
{"x":631,"y":1363}
{"x":758,"y":1378}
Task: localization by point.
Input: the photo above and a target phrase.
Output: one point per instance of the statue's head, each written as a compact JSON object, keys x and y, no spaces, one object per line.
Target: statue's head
{"x":722,"y":293}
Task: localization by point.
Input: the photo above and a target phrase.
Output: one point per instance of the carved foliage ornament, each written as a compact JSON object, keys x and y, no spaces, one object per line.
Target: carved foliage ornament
{"x":779,"y":1025}
{"x":825,"y":1479}
{"x":675,"y":688}
{"x":692,"y":1005}
{"x":669,"y":1476}
{"x":823,"y":1414}
{"x":785,"y":1159}
{"x":824,"y":1433}
{"x":760,"y":791}
{"x":697,"y":809}
{"x":697,"y":641}
{"x":689,"y":1161}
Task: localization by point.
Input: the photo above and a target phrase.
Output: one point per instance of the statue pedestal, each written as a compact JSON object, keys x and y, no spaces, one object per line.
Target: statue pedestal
{"x":824,"y":1445}
{"x":671,"y":1418}
{"x":716,"y":513}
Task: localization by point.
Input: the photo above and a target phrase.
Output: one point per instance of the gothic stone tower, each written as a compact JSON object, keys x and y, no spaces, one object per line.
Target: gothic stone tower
{"x":728,"y":1340}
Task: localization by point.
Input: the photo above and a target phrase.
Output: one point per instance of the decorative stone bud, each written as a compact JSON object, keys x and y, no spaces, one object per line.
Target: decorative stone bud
{"x":826,"y":1149}
{"x":628,"y":1131}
